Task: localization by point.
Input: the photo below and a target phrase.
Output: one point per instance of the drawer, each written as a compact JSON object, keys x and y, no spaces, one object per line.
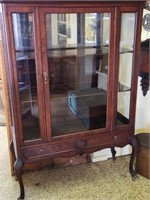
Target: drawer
{"x":47,"y":150}
{"x":121,"y":139}
{"x":69,"y":148}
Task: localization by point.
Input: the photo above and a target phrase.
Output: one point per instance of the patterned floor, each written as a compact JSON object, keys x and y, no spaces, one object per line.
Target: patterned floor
{"x":107,"y":180}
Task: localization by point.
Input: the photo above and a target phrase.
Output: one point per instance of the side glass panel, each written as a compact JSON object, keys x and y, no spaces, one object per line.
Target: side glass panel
{"x":78,"y":47}
{"x":125,"y":67}
{"x":26,"y":70}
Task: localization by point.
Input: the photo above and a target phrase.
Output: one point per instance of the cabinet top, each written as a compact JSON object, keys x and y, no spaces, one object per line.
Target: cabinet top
{"x":46,"y":1}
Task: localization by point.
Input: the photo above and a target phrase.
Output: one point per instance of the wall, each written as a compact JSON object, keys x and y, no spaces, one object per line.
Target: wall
{"x":143,"y":103}
{"x":142,"y":123}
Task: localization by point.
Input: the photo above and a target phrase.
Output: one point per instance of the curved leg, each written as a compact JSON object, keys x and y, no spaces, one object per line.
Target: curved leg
{"x":113,"y":151}
{"x":12,"y":150}
{"x":133,"y":155}
{"x":18,"y":166}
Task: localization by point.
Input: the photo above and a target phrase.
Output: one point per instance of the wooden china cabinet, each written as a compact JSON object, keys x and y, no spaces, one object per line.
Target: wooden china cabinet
{"x":71,"y":71}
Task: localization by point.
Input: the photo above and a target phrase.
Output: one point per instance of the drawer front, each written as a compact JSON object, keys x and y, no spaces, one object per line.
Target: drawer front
{"x":69,"y":148}
{"x":121,"y":139}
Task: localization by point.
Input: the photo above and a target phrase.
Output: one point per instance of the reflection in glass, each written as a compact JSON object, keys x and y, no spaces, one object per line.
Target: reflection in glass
{"x":78,"y":46}
{"x":125,"y":67}
{"x":25,"y":61}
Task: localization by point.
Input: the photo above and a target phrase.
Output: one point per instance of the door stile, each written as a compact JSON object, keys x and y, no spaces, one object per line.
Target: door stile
{"x":117,"y":26}
{"x":110,"y":96}
{"x":39,"y":72}
{"x":45,"y":72}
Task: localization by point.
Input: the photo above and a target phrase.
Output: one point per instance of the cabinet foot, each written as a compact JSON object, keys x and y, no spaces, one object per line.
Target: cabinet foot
{"x":113,"y":151}
{"x":18,"y":166}
{"x":133,"y":155}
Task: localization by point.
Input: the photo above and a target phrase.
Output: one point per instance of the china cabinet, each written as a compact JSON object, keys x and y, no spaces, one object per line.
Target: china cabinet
{"x":71,"y":71}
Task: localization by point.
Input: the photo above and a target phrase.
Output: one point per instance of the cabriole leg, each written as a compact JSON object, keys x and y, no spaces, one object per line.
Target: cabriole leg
{"x":12,"y":150}
{"x":18,"y":166}
{"x":133,"y":155}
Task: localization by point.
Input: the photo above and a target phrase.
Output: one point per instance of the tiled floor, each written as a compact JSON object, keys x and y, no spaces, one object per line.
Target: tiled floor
{"x":107,"y":180}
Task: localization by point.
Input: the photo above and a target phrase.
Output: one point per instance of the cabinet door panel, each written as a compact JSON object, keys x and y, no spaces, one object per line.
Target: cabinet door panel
{"x":78,"y":63}
{"x":23,"y":33}
{"x":126,"y":50}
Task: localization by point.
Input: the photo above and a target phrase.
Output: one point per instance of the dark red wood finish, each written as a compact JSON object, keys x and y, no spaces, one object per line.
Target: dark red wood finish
{"x":78,"y":143}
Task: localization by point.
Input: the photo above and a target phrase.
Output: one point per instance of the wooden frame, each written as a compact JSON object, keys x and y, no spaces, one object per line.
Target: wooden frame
{"x":48,"y":147}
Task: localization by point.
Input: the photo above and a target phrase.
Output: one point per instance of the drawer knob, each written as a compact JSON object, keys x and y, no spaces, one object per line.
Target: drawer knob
{"x":42,"y":151}
{"x":116,"y":138}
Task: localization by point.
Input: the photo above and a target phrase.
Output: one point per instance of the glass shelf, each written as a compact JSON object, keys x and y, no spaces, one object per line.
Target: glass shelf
{"x":123,"y":88}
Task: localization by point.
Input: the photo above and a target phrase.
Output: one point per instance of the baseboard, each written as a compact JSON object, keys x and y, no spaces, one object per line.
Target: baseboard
{"x":105,"y":154}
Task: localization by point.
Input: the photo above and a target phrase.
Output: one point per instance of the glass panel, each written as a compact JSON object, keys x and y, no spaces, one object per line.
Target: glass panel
{"x":125,"y":67}
{"x":26,"y":68}
{"x":78,"y":46}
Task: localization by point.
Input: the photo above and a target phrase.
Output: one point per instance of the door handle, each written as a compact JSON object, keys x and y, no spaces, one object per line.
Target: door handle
{"x":45,"y":75}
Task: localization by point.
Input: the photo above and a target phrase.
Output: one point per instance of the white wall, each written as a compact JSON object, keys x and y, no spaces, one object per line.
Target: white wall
{"x":142,"y":123}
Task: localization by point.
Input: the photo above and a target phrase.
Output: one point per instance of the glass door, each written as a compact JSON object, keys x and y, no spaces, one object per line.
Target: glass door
{"x":25,"y":75}
{"x":127,"y":66}
{"x":126,"y":48}
{"x":77,"y":56}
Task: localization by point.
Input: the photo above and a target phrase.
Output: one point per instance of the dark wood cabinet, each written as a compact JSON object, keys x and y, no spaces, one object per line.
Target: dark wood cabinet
{"x":74,"y":97}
